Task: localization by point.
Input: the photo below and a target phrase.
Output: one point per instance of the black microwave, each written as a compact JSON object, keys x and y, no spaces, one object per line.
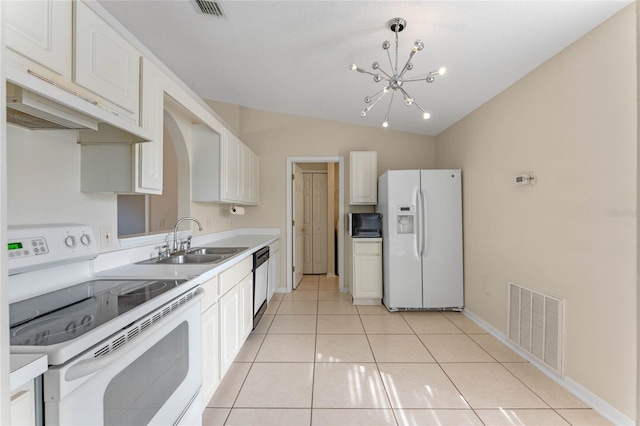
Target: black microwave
{"x":365,"y":225}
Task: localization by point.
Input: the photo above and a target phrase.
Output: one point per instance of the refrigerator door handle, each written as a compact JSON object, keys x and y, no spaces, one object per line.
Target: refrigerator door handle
{"x":423,"y":224}
{"x":417,"y":222}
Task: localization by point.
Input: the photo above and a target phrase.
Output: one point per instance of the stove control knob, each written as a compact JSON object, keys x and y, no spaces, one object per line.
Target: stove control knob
{"x":85,"y":240}
{"x":70,"y":241}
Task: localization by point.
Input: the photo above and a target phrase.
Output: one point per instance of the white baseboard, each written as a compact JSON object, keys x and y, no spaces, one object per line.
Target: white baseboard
{"x":602,"y":407}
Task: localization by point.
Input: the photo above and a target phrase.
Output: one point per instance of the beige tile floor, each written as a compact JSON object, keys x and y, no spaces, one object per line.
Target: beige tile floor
{"x":315,"y":359}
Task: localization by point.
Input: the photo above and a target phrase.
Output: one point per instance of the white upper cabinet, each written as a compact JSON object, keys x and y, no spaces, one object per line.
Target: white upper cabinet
{"x":149,"y":155}
{"x":364,"y":177}
{"x":223,"y":169}
{"x":41,"y":31}
{"x":105,"y":62}
{"x":232,"y":184}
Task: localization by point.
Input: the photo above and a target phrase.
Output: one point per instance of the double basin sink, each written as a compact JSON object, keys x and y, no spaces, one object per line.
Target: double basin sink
{"x":197,"y":255}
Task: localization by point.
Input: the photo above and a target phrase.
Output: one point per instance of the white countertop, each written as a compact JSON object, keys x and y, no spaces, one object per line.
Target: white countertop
{"x":196,"y":272}
{"x":24,"y":368}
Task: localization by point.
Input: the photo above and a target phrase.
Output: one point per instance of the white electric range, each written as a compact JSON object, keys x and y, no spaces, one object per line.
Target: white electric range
{"x":121,"y":351}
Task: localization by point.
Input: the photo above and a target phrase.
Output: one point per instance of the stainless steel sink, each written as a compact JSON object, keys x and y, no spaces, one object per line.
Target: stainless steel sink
{"x":196,"y":255}
{"x":224,"y":251}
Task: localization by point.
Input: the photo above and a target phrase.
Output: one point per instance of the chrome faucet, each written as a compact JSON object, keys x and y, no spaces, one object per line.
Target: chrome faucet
{"x":175,"y":231}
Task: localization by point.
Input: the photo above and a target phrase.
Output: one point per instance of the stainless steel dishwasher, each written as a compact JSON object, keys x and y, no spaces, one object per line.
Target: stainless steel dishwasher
{"x":260,"y":283}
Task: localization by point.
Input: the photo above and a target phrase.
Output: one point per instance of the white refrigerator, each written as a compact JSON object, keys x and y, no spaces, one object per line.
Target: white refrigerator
{"x":422,"y":239}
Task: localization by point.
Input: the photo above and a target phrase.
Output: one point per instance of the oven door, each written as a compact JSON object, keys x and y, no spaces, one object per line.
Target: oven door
{"x":152,"y":378}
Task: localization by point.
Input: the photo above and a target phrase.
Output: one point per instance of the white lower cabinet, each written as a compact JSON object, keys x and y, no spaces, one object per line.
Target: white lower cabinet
{"x":23,"y":405}
{"x":274,"y":269}
{"x":210,"y":341}
{"x":229,"y":328}
{"x":236,"y":310}
{"x":366,"y":271}
{"x":246,"y":301}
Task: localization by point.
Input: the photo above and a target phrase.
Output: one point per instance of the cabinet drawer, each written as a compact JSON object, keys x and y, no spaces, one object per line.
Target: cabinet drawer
{"x":211,"y":295}
{"x":367,"y":248}
{"x":235,"y":274}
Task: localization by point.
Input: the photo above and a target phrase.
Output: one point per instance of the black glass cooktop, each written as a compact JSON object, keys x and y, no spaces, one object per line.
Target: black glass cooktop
{"x":65,"y":314}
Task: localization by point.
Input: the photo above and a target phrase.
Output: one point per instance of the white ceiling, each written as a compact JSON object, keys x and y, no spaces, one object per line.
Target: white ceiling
{"x":294,"y":56}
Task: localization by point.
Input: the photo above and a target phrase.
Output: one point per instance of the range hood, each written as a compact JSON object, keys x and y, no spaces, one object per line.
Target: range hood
{"x":32,"y":111}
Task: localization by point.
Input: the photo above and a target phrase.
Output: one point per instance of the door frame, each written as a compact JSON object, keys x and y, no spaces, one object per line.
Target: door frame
{"x":290,"y":162}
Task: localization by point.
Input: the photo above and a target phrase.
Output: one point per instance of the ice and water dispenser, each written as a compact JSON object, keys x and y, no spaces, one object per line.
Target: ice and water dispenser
{"x":405,"y":219}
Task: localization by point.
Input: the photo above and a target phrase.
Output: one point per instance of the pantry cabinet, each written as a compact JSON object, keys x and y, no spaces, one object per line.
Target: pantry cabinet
{"x":41,"y":31}
{"x":210,"y":340}
{"x":366,"y":271}
{"x":223,"y":169}
{"x":105,"y":62}
{"x":363,"y":177}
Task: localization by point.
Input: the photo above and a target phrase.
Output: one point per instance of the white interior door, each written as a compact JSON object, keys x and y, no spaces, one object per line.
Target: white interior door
{"x":298,"y":248}
{"x":319,"y":221}
{"x":307,"y":226}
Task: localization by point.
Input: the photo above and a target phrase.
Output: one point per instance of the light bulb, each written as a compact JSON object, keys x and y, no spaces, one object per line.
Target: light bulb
{"x":386,"y":89}
{"x":442,"y":71}
{"x":353,"y":67}
{"x":426,"y":116}
{"x":385,"y":124}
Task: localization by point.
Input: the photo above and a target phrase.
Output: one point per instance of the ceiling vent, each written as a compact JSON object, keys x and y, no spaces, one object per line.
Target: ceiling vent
{"x":208,"y":7}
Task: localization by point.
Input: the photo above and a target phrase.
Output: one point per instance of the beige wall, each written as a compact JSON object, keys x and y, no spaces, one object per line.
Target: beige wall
{"x":572,"y":122}
{"x":274,"y":137}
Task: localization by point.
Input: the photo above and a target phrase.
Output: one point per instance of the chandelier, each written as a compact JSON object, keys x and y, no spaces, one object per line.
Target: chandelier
{"x":395,"y":79}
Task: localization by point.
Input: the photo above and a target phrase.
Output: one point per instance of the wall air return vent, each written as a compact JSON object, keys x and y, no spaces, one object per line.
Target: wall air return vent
{"x":535,"y":324}
{"x":208,"y":7}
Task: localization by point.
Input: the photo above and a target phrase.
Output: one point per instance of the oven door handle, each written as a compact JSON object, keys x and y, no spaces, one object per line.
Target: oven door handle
{"x":93,"y":365}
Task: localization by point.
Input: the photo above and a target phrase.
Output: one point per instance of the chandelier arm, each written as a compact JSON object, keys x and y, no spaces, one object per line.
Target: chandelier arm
{"x":390,"y":61}
{"x":386,"y":119}
{"x":404,"y":92}
{"x":422,"y":77}
{"x":385,"y":90}
{"x":382,"y":93}
{"x":404,"y":69}
{"x":385,"y":73}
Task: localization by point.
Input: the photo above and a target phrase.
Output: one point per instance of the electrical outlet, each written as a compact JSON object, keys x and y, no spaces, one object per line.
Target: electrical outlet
{"x":106,"y":237}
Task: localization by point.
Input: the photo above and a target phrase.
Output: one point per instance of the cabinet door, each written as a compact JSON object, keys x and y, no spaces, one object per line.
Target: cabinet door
{"x":210,"y":362}
{"x":274,"y":273}
{"x":231,"y":168}
{"x":41,"y":31}
{"x":246,"y":300}
{"x":364,"y":177}
{"x":368,"y":276}
{"x":247,"y":175}
{"x":23,"y":405}
{"x":105,"y":62}
{"x":229,"y":328}
{"x":149,"y":154}
{"x":255,"y":177}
